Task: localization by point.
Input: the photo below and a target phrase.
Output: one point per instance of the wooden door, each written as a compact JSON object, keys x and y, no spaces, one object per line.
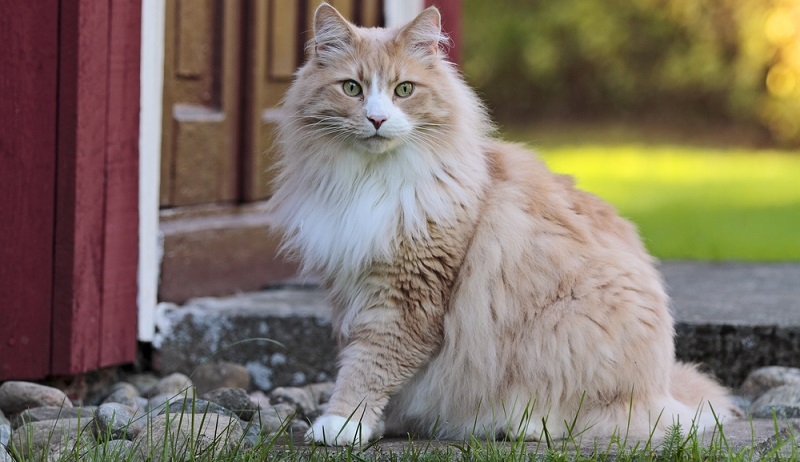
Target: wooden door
{"x":202,"y":75}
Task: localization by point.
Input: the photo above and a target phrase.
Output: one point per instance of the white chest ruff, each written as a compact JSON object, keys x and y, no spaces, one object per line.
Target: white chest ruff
{"x":356,"y":210}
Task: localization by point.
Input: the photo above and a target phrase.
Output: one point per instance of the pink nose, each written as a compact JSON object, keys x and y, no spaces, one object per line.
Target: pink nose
{"x":377,"y":120}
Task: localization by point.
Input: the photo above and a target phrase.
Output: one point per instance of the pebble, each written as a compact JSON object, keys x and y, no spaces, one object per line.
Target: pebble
{"x":17,"y":396}
{"x":5,"y":430}
{"x":273,"y":420}
{"x":144,"y":382}
{"x":320,"y":392}
{"x":121,"y":424}
{"x":157,"y":403}
{"x":117,"y":421}
{"x":204,"y":435}
{"x":235,"y":399}
{"x":50,"y":439}
{"x":259,"y":399}
{"x":783,"y":401}
{"x":112,"y":450}
{"x":195,"y":406}
{"x":211,"y":376}
{"x":764,"y":379}
{"x":174,"y":384}
{"x":37,"y":414}
{"x":124,"y":393}
{"x":301,"y":398}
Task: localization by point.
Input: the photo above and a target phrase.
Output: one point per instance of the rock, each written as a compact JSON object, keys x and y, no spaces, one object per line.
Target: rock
{"x":269,"y":421}
{"x":17,"y":396}
{"x":5,"y":456}
{"x":234,"y":399}
{"x":252,"y":434}
{"x":5,"y":430}
{"x":50,"y":439}
{"x":764,"y":379}
{"x":143,"y":382}
{"x":175,"y":384}
{"x":276,"y":418}
{"x":124,"y":393}
{"x":117,"y":421}
{"x":287,"y":331}
{"x":742,"y":402}
{"x":285,"y":410}
{"x":211,"y":376}
{"x":259,"y":399}
{"x":320,"y":392}
{"x":37,"y":414}
{"x":157,"y":403}
{"x":784,"y":401}
{"x":301,"y":398}
{"x":196,"y":406}
{"x":170,"y":437}
{"x":112,"y":450}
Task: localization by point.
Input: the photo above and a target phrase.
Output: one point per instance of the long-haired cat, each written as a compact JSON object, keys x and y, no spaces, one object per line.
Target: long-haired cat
{"x":474,"y":291}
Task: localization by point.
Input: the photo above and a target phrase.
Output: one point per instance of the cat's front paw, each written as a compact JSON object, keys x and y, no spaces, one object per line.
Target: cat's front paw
{"x":334,"y":430}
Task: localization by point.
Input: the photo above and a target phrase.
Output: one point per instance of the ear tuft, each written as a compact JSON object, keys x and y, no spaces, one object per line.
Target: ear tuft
{"x":424,"y":34}
{"x":333,"y":34}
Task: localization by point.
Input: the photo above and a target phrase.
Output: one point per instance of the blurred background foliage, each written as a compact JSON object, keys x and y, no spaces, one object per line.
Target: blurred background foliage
{"x":732,"y":62}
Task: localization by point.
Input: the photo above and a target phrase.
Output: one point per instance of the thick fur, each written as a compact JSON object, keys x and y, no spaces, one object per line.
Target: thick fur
{"x":474,"y":291}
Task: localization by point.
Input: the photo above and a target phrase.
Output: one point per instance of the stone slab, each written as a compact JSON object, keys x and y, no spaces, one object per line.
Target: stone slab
{"x":283,"y":336}
{"x":732,"y":317}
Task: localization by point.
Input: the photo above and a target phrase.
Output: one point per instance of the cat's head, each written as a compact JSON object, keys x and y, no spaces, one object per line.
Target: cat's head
{"x":375,"y":89}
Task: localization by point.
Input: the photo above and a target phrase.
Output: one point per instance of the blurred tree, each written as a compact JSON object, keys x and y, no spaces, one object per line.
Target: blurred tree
{"x":717,"y":60}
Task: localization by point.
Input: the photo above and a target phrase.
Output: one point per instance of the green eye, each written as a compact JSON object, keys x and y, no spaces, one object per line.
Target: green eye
{"x":351,"y":88}
{"x":404,"y":89}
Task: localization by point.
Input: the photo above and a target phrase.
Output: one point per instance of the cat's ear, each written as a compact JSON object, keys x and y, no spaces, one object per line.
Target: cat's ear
{"x":333,"y":35}
{"x":423,"y":35}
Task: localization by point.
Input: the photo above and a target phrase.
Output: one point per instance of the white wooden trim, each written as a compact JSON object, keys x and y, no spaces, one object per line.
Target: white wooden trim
{"x":399,"y":12}
{"x":150,"y":242}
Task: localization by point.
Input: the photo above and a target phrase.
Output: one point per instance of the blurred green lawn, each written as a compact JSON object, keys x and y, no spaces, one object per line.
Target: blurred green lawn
{"x":690,"y":200}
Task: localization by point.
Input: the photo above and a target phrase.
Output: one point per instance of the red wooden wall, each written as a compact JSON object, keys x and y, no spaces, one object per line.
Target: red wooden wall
{"x":69,"y":108}
{"x":451,"y":24}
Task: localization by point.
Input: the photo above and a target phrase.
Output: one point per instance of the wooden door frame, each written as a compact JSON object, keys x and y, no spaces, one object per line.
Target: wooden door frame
{"x":150,"y":242}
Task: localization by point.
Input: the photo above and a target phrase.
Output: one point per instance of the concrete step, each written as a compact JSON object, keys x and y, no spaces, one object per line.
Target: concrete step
{"x":732,"y":317}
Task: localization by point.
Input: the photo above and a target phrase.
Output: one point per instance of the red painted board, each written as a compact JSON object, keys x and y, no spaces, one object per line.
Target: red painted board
{"x":28,"y":85}
{"x":80,"y":186}
{"x":119,"y":317}
{"x":451,"y":24}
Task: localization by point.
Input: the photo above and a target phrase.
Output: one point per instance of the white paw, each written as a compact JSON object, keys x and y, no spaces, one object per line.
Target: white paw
{"x":334,"y":430}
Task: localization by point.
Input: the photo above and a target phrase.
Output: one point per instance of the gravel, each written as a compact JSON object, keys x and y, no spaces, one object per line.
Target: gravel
{"x":133,"y":421}
{"x":134,"y":418}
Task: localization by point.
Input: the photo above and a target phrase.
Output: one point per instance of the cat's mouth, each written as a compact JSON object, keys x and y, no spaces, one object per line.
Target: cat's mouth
{"x":378,"y":143}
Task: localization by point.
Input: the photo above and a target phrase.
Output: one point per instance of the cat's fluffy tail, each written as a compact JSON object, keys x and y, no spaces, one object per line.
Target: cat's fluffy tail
{"x":711,"y":401}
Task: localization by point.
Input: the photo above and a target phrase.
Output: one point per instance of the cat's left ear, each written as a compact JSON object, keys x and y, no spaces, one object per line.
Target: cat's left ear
{"x":424,"y":35}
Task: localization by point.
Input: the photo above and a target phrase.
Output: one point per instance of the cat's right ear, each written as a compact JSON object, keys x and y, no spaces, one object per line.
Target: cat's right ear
{"x":333,"y":35}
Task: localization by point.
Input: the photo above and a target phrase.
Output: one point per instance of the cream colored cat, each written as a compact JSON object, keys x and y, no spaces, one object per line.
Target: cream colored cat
{"x":474,"y":291}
